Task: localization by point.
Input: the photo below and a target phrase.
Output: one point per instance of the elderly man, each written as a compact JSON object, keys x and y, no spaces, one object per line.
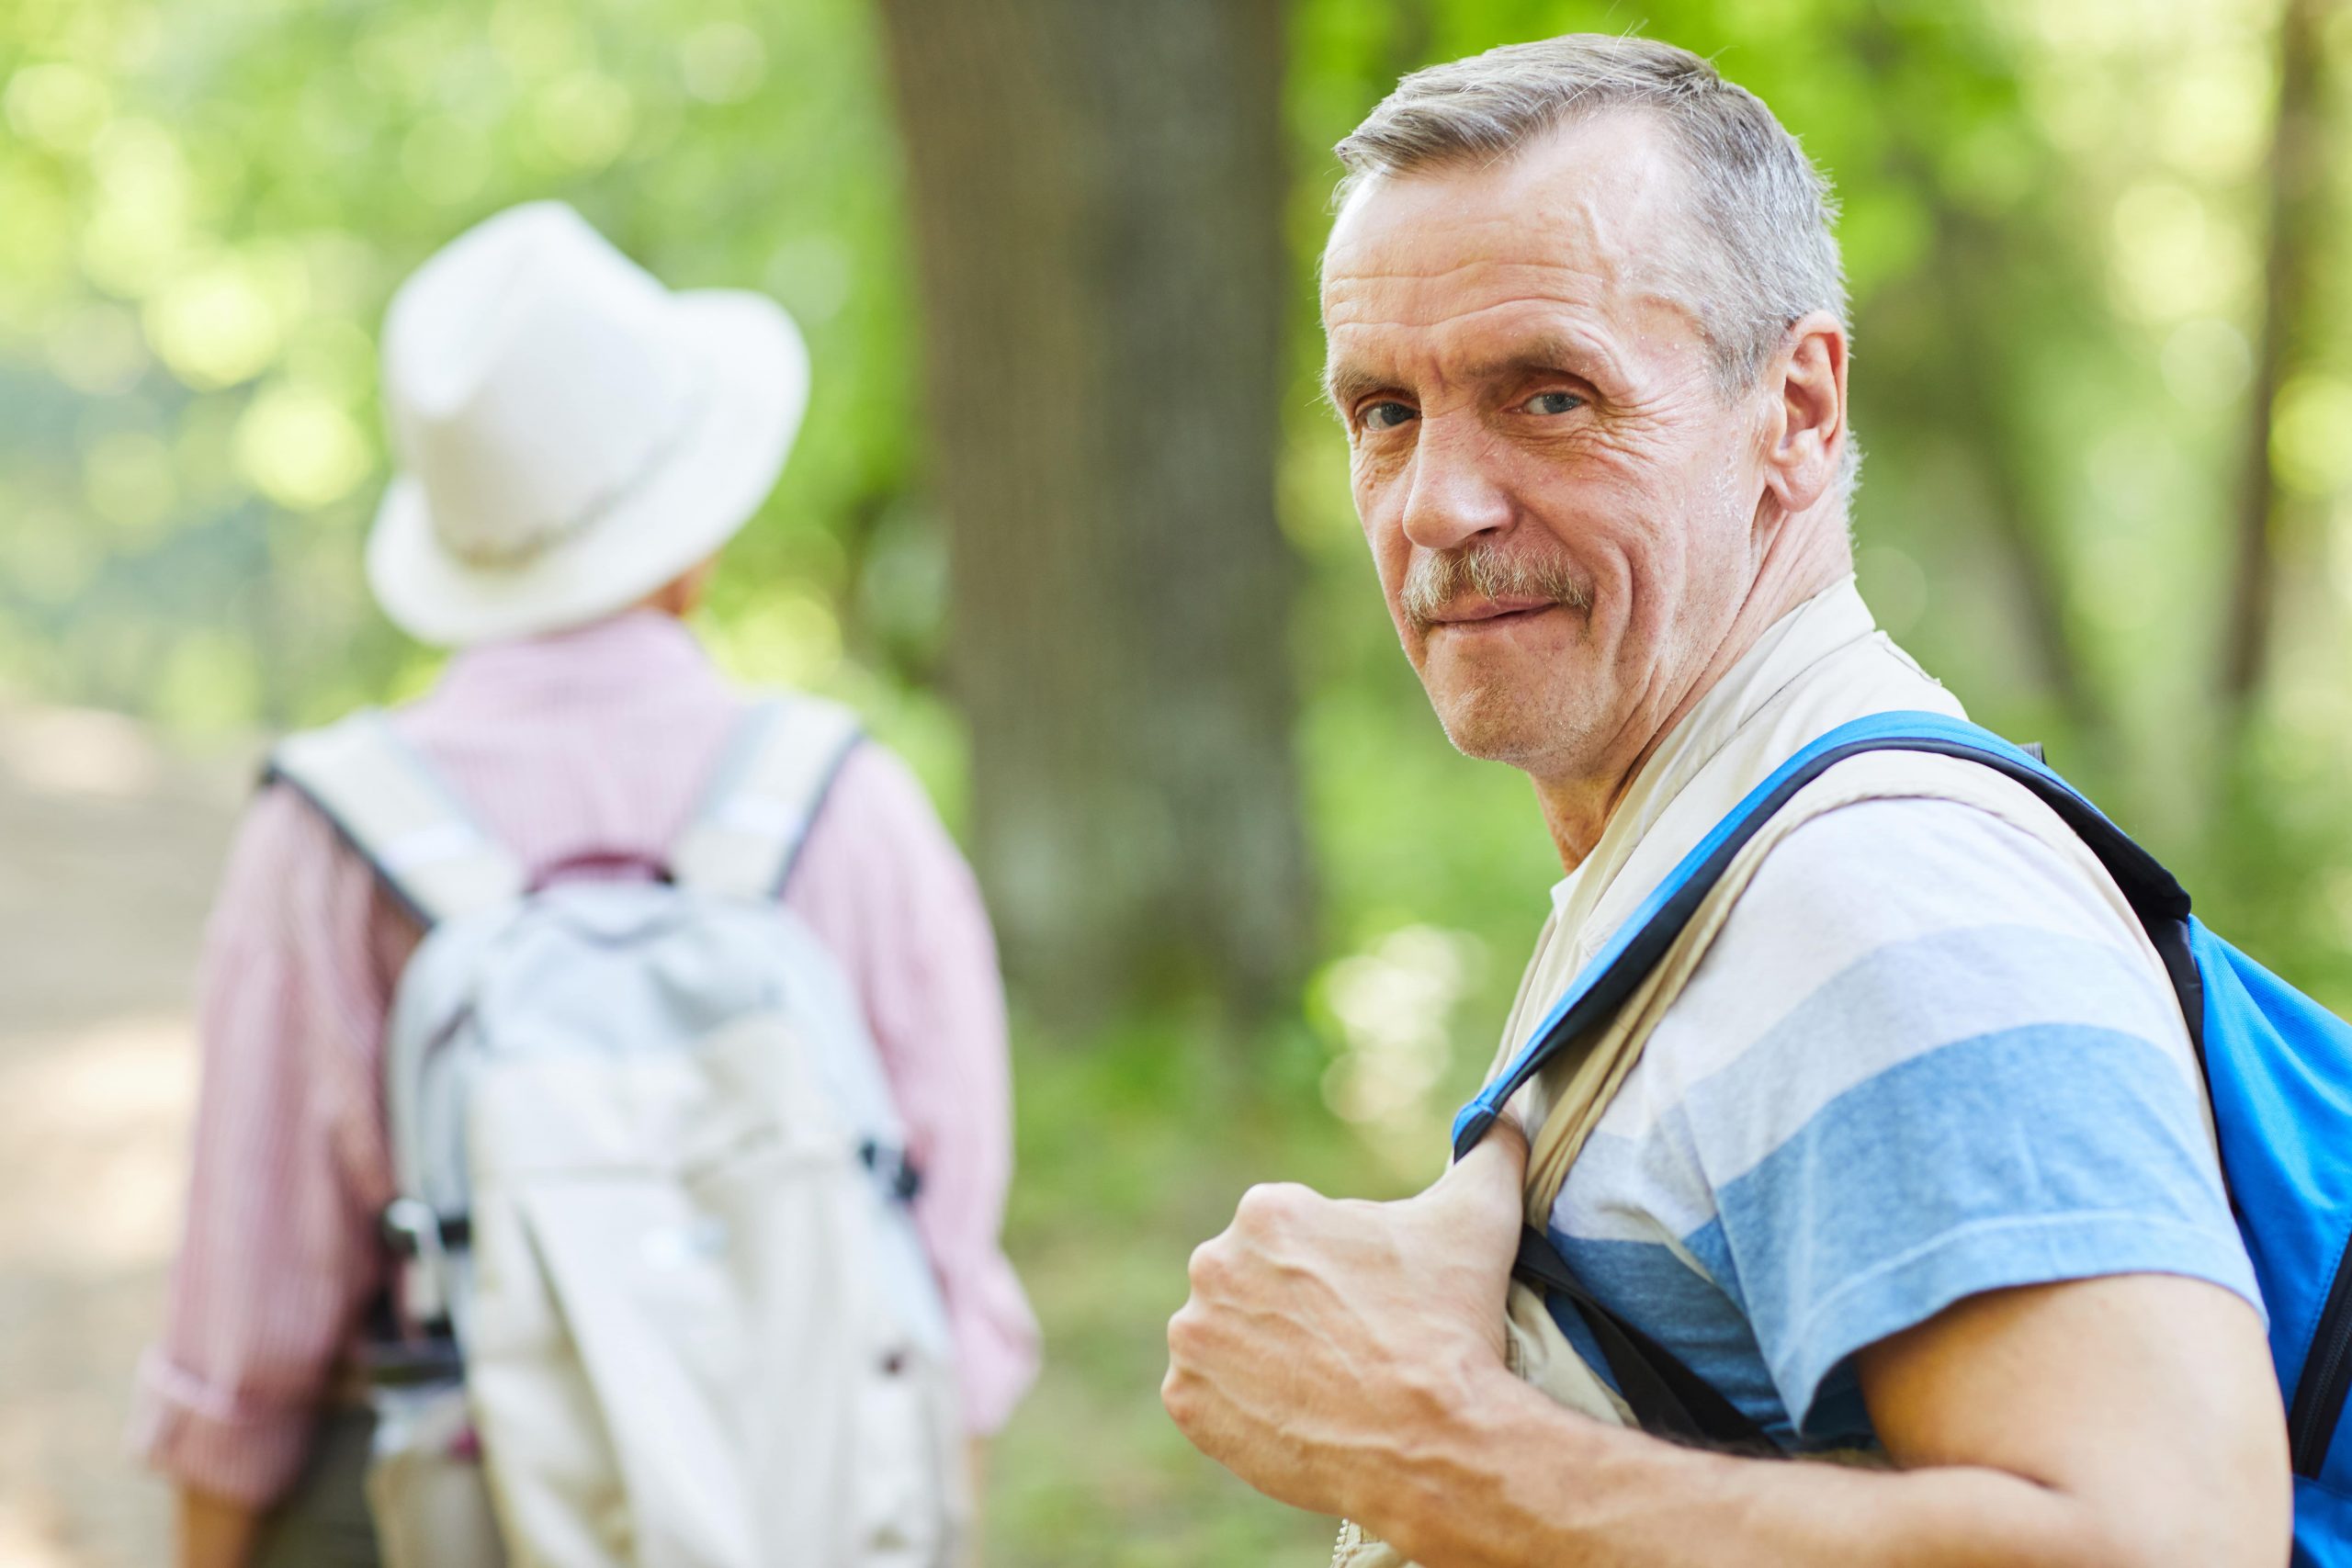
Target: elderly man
{"x":1916,"y":1163}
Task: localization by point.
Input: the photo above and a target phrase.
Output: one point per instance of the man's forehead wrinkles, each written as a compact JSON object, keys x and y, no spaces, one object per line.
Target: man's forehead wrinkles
{"x":1585,"y":322}
{"x":1437,"y":274}
{"x":1425,"y":298}
{"x":1435,"y":250}
{"x":1534,"y":262}
{"x":1559,"y":317}
{"x":1582,"y":220}
{"x":1464,"y":277}
{"x":1361,"y":356}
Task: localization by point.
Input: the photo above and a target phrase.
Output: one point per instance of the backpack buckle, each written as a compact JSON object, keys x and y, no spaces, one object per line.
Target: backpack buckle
{"x":897,"y":1174}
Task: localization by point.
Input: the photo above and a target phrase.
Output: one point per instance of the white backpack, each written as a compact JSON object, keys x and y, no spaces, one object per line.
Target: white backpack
{"x":658,"y":1268}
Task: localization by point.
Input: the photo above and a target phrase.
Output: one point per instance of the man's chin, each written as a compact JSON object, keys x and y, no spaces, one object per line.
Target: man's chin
{"x":1521,"y":712}
{"x":1494,"y":732}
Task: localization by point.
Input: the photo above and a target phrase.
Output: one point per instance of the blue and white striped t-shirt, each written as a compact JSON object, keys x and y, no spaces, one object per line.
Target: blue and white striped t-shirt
{"x":1924,"y":1058}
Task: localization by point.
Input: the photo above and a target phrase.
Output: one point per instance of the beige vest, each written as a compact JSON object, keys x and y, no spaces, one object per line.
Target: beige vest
{"x":1824,"y":664}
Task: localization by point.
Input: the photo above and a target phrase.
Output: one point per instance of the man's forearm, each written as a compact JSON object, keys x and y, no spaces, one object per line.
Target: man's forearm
{"x":1518,"y":1482}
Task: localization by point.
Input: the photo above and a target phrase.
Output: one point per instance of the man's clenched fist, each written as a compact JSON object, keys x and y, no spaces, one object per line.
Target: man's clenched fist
{"x":1325,"y":1337}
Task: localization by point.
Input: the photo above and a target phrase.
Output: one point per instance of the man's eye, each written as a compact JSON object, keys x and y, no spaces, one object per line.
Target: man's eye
{"x":1385,"y":415}
{"x":1555,"y":402}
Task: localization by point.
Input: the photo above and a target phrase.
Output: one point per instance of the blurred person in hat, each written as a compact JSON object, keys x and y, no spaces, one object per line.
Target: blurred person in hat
{"x":575,"y":445}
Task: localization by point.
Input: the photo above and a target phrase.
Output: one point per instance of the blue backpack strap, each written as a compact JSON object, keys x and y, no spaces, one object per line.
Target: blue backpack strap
{"x":1643,"y":940}
{"x":1664,"y":1396}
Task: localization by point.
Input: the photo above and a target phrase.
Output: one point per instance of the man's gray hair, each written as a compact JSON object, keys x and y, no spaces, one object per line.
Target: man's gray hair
{"x":1766,"y":247}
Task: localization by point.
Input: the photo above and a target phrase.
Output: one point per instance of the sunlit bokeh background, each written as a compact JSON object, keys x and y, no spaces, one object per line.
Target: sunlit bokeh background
{"x":2103,"y":296}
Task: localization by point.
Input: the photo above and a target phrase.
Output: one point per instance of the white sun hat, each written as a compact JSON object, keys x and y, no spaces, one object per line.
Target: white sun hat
{"x":570,"y":435}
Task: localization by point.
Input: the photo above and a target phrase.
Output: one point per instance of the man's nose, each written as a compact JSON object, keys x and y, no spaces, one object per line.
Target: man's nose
{"x":1456,"y":492}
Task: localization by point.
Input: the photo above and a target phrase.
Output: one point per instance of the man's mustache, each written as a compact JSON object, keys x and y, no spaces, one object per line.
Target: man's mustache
{"x":1482,"y":570}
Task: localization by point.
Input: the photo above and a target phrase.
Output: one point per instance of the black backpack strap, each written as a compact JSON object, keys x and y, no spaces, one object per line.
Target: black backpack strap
{"x":1667,"y":1399}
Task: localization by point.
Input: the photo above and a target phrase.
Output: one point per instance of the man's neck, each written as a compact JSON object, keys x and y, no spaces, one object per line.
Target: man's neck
{"x":1577,"y":805}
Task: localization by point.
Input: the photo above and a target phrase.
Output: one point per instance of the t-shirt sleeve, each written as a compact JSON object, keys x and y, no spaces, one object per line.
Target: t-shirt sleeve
{"x":1970,"y":1076}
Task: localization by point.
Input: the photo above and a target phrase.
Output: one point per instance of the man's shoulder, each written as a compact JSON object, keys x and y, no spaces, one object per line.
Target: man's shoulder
{"x":1881,"y":870}
{"x":1909,"y":908}
{"x":1883,"y":930}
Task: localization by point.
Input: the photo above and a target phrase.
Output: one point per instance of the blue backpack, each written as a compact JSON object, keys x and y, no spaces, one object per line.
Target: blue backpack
{"x":2278,"y":1066}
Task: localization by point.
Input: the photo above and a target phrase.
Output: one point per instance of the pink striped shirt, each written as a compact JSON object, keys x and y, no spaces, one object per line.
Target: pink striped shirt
{"x":590,"y":743}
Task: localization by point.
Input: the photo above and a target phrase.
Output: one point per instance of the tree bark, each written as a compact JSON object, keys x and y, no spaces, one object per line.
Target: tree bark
{"x":2297,"y":191}
{"x":1097,"y":190}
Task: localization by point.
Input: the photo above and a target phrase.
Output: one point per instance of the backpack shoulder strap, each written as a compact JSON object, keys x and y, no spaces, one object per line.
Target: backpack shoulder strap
{"x":390,"y":806}
{"x":771,"y":781}
{"x":1664,"y":1396}
{"x":1644,"y":939}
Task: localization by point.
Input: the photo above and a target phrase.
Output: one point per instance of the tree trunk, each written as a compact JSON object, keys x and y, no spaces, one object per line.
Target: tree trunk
{"x":1097,"y":190}
{"x":2297,"y":182}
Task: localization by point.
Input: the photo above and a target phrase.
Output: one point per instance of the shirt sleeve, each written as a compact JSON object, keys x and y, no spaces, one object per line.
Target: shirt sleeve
{"x":885,"y":888}
{"x":1978,"y":1079}
{"x":278,"y":1255}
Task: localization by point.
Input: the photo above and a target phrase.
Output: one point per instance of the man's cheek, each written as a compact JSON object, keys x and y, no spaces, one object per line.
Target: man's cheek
{"x":1413,"y":640}
{"x":1391,"y":564}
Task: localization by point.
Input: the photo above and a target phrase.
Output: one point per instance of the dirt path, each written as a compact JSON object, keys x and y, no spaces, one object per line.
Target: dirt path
{"x":108,"y":849}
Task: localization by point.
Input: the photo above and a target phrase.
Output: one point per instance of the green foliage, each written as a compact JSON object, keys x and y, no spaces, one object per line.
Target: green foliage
{"x":1131,"y":1154}
{"x":206,"y":208}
